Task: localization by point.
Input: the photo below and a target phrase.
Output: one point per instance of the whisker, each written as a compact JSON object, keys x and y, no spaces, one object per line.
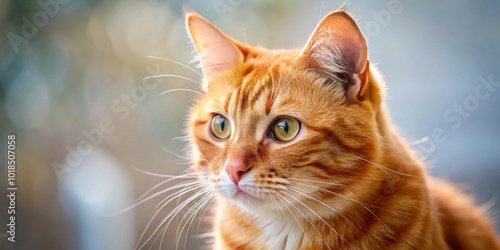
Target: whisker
{"x":172,"y":214}
{"x":170,"y":152}
{"x":303,"y":216}
{"x":421,"y":140}
{"x":291,"y":79}
{"x":353,"y":200}
{"x":151,"y":197}
{"x":194,"y":210}
{"x":386,"y":168}
{"x":166,"y":226}
{"x":174,"y":90}
{"x":276,"y":93}
{"x":186,"y":176}
{"x":175,"y":62}
{"x":181,"y":138}
{"x":203,"y":214}
{"x":272,"y":82}
{"x":202,"y":180}
{"x":167,"y":200}
{"x":145,"y":172}
{"x":278,"y":208}
{"x":179,"y":208}
{"x":337,"y":184}
{"x":320,"y":182}
{"x":319,"y":217}
{"x":150,"y":190}
{"x":157,"y":211}
{"x":162,"y":233}
{"x":328,"y":206}
{"x":291,"y":67}
{"x":171,"y":75}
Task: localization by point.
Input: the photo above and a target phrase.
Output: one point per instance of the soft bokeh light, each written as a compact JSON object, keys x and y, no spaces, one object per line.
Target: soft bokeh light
{"x":28,"y":100}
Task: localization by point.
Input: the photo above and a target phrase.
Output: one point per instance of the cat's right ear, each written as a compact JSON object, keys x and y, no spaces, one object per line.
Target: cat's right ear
{"x":337,"y":48}
{"x":216,"y":51}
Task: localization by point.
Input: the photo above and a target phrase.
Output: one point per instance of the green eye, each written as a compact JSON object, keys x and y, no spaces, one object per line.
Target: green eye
{"x":220,"y":127}
{"x":285,"y":129}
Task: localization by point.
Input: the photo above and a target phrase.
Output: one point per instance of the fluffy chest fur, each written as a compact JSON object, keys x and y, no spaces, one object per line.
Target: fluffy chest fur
{"x":257,"y":231}
{"x":278,"y":232}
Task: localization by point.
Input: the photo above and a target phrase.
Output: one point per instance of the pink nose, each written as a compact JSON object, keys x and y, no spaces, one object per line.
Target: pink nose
{"x":236,"y":166}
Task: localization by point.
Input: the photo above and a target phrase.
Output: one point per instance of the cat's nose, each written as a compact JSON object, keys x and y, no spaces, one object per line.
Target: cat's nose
{"x":236,"y":166}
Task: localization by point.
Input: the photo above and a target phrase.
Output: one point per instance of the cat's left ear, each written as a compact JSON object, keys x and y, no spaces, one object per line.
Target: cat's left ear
{"x":216,"y":51}
{"x":337,"y":49}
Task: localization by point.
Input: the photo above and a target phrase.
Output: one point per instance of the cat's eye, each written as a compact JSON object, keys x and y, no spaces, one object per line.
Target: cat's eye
{"x":285,"y":129}
{"x":220,"y":127}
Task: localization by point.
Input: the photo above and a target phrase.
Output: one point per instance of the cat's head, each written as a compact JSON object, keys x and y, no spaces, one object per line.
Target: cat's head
{"x":281,"y":127}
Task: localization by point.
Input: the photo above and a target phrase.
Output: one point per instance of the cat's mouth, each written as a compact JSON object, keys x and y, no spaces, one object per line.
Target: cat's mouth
{"x":242,"y":194}
{"x":245,"y":191}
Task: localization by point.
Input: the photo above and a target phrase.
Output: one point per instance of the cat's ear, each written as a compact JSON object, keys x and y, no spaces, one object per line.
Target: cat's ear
{"x":338,"y":50}
{"x":216,"y":51}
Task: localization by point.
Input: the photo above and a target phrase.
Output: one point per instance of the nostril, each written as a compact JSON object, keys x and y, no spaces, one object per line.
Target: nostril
{"x":240,"y":173}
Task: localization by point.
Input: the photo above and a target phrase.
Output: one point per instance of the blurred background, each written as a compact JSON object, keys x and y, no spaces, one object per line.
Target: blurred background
{"x":91,"y":129}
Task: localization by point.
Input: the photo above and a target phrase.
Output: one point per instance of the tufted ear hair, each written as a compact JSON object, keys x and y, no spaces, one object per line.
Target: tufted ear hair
{"x":215,"y":50}
{"x":337,"y":49}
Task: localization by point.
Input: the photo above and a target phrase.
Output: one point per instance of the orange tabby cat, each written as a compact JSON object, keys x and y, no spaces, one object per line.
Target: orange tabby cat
{"x":299,"y":148}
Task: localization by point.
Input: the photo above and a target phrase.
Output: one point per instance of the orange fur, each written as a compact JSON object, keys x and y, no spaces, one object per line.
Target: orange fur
{"x":347,"y":181}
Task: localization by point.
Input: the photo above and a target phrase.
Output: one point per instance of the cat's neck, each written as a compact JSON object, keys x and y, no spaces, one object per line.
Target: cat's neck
{"x":395,"y":154}
{"x":255,"y":229}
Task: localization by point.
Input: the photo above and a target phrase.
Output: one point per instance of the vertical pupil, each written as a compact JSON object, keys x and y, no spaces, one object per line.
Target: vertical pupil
{"x":222,"y":124}
{"x":284,"y":126}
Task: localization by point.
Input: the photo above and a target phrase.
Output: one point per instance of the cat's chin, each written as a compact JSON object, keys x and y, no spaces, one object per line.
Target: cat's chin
{"x":244,"y":199}
{"x":251,"y":204}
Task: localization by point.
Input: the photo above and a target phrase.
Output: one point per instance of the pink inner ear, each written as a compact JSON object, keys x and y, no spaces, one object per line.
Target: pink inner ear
{"x":346,"y":34}
{"x":339,"y":30}
{"x":216,"y":51}
{"x":354,"y":49}
{"x":335,"y":39}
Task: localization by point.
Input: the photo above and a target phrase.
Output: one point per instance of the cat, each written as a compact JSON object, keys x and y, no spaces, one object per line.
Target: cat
{"x":299,"y":151}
